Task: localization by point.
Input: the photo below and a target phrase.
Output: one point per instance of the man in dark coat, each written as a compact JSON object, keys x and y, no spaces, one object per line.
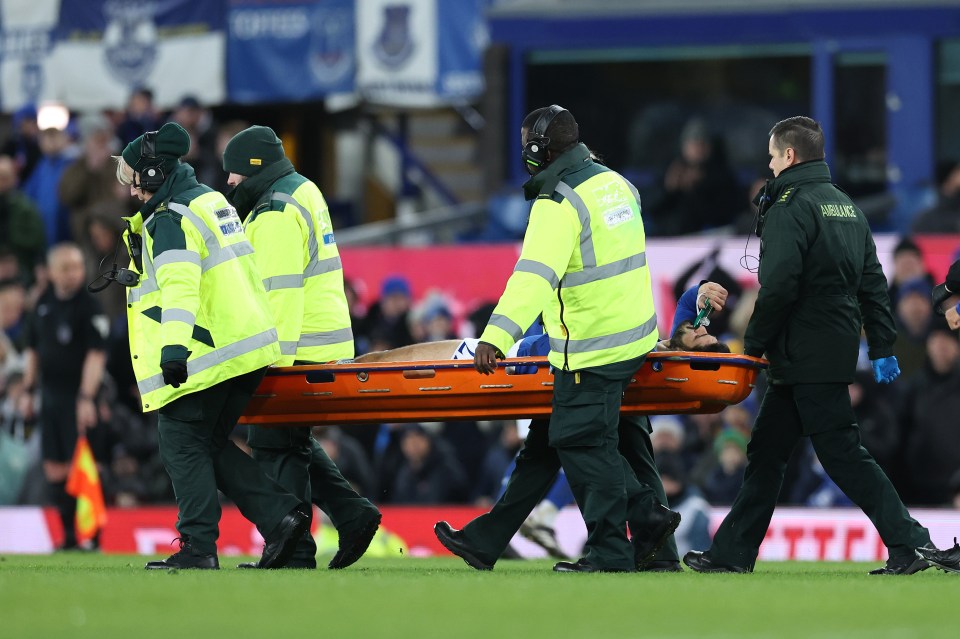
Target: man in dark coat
{"x":820,"y":284}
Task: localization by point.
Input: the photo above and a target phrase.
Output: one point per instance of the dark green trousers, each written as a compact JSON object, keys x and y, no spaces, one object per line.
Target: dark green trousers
{"x":299,"y":464}
{"x":593,"y":455}
{"x":584,"y":425}
{"x":636,"y":448}
{"x":823,"y":413}
{"x":536,"y":470}
{"x":200,"y":458}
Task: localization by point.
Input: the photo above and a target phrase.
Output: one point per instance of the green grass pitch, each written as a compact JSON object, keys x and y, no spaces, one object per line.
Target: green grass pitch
{"x":69,"y":596}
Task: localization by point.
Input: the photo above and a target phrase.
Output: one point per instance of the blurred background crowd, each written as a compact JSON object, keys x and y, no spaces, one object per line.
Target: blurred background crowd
{"x":57,"y":184}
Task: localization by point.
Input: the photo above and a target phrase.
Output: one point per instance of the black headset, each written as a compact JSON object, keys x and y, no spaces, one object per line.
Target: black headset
{"x":764,"y":200}
{"x":535,"y":150}
{"x":151,"y":167}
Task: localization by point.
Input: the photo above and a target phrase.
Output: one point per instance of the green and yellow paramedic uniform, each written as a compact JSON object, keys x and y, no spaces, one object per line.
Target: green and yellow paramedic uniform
{"x":583,"y":267}
{"x":200,"y":295}
{"x":291,"y":232}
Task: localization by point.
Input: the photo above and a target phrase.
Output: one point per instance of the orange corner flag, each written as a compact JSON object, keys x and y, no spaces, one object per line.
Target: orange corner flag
{"x":83,"y":482}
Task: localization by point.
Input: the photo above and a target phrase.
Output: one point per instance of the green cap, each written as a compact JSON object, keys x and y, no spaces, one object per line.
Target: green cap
{"x":172,"y":143}
{"x":249,"y":151}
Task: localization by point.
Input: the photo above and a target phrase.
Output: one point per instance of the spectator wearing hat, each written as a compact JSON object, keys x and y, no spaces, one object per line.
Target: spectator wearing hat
{"x":723,"y":483}
{"x":432,"y":320}
{"x":930,"y":442}
{"x":387,"y":321}
{"x":287,"y":221}
{"x":201,"y":337}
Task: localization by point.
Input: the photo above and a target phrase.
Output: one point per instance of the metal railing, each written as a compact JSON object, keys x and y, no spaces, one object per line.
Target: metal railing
{"x":439,"y":226}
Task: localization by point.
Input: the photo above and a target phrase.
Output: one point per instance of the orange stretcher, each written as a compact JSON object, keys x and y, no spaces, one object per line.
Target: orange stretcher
{"x":436,"y":391}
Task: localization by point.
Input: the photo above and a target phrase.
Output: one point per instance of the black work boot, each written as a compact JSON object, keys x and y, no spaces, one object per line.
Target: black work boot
{"x":281,"y":544}
{"x":355,"y":542}
{"x":948,"y":560}
{"x":647,"y":542}
{"x":452,"y":539}
{"x":902,"y":566}
{"x":186,"y":558}
{"x":700,"y":561}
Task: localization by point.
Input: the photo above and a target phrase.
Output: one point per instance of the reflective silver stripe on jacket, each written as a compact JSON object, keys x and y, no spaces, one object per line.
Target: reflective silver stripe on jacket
{"x":591,"y":272}
{"x":598,"y":273}
{"x":288,"y":348}
{"x":278,"y":282}
{"x":326,"y":338}
{"x":176,"y":256}
{"x":214,"y":357}
{"x":177,"y":315}
{"x":622,"y":338}
{"x":587,"y":254}
{"x":315,"y":266}
{"x":538,"y":268}
{"x":503,"y":322}
{"x":148,"y":281}
{"x":216,"y":254}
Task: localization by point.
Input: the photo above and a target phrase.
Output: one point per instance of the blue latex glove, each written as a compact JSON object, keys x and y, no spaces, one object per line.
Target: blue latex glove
{"x":885,"y":369}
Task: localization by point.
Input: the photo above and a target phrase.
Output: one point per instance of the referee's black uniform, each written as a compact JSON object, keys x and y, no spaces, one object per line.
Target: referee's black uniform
{"x":61,"y":332}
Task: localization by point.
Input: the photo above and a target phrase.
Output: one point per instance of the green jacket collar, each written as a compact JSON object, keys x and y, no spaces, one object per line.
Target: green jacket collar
{"x":134,"y":222}
{"x":182,"y":179}
{"x":245,"y":195}
{"x":803,"y":173}
{"x":545,"y":182}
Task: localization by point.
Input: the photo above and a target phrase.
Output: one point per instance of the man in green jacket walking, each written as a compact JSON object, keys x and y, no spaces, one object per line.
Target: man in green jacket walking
{"x":583,"y":268}
{"x":286,"y":220}
{"x":820,"y":283}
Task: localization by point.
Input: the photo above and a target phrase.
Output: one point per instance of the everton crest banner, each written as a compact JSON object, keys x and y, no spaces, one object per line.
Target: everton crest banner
{"x":92,"y":54}
{"x":290,"y":49}
{"x":420,"y":52}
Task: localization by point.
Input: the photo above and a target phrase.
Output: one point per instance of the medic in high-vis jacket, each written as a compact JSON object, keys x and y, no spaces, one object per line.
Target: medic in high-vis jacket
{"x":583,"y":267}
{"x":287,"y":221}
{"x":201,"y":337}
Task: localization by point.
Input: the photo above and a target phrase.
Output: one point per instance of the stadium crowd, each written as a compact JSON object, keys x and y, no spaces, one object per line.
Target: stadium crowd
{"x":58,"y":185}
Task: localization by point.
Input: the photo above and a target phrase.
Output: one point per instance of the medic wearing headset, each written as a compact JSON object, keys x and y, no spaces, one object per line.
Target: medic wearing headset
{"x":201,"y":337}
{"x":584,"y":269}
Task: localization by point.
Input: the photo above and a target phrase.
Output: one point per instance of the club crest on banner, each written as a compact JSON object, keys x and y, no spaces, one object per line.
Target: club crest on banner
{"x":395,"y":44}
{"x":331,"y":45}
{"x":130,"y":39}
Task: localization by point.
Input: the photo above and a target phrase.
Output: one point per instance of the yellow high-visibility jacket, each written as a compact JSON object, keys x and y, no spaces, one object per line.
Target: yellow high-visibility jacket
{"x":583,"y":267}
{"x":200,"y":289}
{"x":296,"y":253}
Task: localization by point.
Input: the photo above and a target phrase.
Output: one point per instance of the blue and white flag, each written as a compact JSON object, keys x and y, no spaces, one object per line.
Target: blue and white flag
{"x":420,"y":53}
{"x":27,"y":30}
{"x":293,"y":50}
{"x":91,"y":54}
